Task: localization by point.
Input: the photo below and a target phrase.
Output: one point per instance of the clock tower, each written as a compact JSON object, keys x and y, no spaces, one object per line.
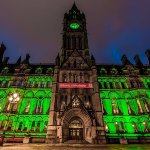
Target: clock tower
{"x":74,"y":34}
{"x":75,"y":113}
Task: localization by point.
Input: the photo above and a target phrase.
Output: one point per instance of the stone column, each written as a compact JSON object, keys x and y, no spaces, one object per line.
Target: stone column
{"x":26,"y":140}
{"x":51,"y":136}
{"x":97,"y":106}
{"x":123,"y":141}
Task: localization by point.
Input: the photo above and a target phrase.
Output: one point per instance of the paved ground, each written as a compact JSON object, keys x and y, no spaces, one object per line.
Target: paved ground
{"x":74,"y":147}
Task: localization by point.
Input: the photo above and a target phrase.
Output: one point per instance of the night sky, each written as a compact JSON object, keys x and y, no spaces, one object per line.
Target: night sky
{"x":115,"y":27}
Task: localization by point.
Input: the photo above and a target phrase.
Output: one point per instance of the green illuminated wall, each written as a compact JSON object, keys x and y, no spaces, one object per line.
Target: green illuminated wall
{"x":125,"y":109}
{"x":30,"y":115}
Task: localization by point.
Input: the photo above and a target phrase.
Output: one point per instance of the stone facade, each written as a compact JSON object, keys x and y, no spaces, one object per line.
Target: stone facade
{"x":75,"y":99}
{"x":74,"y":65}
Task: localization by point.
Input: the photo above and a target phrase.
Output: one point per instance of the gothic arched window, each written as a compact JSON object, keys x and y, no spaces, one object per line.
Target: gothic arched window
{"x":48,"y":84}
{"x":134,"y":127}
{"x":148,"y":83}
{"x":33,"y":126}
{"x":111,"y":85}
{"x":64,"y":78}
{"x":139,"y":84}
{"x":80,"y":43}
{"x":75,"y":77}
{"x":140,"y":106}
{"x":73,"y":42}
{"x":38,"y":126}
{"x":105,"y":85}
{"x":114,"y":106}
{"x":106,"y":127}
{"x":81,"y":77}
{"x":122,"y":127}
{"x":74,"y":64}
{"x":100,"y":85}
{"x":68,"y":42}
{"x":45,"y":125}
{"x":20,"y":126}
{"x":27,"y":107}
{"x":30,"y":84}
{"x":117,"y":85}
{"x":123,"y":85}
{"x":132,"y":83}
{"x":75,"y":102}
{"x":42,"y":84}
{"x":128,"y":105}
{"x":117,"y":127}
{"x":146,"y":127}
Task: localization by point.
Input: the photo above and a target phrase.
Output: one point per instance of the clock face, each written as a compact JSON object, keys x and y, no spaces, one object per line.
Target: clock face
{"x":74,"y":25}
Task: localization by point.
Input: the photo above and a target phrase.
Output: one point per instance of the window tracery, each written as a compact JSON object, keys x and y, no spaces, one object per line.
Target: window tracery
{"x":139,"y":104}
{"x":27,"y":107}
{"x":75,"y":102}
{"x":114,"y":71}
{"x":134,"y":127}
{"x":114,"y":106}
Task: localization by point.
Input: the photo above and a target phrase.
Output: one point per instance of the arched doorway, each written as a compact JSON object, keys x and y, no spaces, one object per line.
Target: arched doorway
{"x":84,"y":125}
{"x":76,"y":129}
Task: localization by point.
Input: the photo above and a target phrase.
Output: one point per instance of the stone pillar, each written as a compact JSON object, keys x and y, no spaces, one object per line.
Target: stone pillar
{"x":51,"y":136}
{"x":77,"y":42}
{"x":123,"y":141}
{"x":26,"y":140}
{"x":93,"y":134}
{"x":97,"y":106}
{"x":59,"y":134}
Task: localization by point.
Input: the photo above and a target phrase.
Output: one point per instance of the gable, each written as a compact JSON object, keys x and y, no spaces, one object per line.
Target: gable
{"x":75,"y":60}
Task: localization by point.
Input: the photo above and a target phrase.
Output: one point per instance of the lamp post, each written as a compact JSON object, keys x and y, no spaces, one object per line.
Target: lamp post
{"x":13,"y":98}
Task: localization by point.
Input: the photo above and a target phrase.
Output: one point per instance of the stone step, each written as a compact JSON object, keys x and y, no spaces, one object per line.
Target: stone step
{"x":76,"y":142}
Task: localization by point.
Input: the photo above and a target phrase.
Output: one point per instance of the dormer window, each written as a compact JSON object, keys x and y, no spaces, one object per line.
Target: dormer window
{"x":38,"y":70}
{"x":49,"y":70}
{"x":114,"y":71}
{"x":5,"y":70}
{"x":103,"y":71}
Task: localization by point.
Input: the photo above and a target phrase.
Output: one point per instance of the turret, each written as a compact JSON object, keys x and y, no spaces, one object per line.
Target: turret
{"x":125,"y":60}
{"x":92,"y":60}
{"x":26,"y":60}
{"x":5,"y":60}
{"x":2,"y":50}
{"x":18,"y":61}
{"x":137,"y":60}
{"x":57,"y":60}
{"x":148,"y":55}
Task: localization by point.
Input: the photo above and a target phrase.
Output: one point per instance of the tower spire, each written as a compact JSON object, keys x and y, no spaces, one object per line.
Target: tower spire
{"x":74,"y":33}
{"x":74,"y":7}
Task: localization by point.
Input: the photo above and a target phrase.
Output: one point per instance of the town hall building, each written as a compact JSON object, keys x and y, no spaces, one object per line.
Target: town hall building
{"x":74,"y":100}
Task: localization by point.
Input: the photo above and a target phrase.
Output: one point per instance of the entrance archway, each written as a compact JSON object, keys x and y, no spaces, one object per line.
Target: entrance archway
{"x":76,"y":129}
{"x":79,"y":116}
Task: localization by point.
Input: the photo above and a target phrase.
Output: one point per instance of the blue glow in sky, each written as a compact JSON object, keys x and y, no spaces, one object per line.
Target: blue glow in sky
{"x":115,"y":27}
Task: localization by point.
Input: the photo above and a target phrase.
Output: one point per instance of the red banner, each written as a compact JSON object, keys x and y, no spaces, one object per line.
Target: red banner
{"x":76,"y":85}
